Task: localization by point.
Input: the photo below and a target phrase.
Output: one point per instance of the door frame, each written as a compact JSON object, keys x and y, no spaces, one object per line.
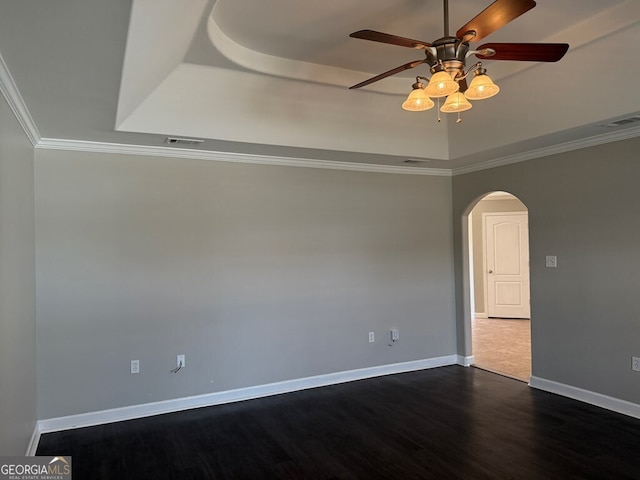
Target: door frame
{"x":468,"y":300}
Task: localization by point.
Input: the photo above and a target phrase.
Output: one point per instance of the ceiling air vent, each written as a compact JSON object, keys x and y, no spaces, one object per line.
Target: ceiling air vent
{"x":624,"y":121}
{"x":183,"y":141}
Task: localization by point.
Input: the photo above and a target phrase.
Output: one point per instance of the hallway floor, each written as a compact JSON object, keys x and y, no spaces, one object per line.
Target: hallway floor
{"x":503,"y":345}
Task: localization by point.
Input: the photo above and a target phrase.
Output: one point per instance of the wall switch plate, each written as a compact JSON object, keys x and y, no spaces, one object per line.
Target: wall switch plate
{"x":635,"y":364}
{"x":180,"y":361}
{"x":395,"y":335}
{"x":372,"y":337}
{"x":135,"y":366}
{"x":551,"y":261}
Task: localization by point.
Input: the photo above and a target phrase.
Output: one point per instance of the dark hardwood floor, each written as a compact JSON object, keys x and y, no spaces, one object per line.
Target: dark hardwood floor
{"x":444,"y":423}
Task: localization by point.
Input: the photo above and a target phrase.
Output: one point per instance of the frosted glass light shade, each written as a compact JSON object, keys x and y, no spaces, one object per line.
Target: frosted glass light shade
{"x":456,"y":102}
{"x":441,"y":85}
{"x":481,"y":87}
{"x":417,"y":101}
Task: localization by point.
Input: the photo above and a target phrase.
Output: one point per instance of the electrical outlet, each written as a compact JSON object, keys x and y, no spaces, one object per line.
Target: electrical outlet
{"x":372,"y":337}
{"x":551,"y":261}
{"x":635,"y":364}
{"x":135,"y":366}
{"x":180,"y":361}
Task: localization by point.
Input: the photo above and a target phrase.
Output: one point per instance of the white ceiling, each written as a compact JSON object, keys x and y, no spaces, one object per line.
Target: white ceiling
{"x":270,"y":77}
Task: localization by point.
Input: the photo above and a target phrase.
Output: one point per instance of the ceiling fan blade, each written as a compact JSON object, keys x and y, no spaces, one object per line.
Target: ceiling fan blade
{"x":399,"y":69}
{"x":391,"y":39}
{"x":495,"y":16}
{"x":527,"y":52}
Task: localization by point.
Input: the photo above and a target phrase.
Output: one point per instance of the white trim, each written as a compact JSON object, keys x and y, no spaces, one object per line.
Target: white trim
{"x":11,"y":93}
{"x":117,"y":148}
{"x":217,"y":398}
{"x":466,"y":361}
{"x":500,"y":214}
{"x":498,"y":195}
{"x":485,"y":275}
{"x":171,"y":152}
{"x":480,"y":315}
{"x":604,"y":401}
{"x":35,"y":440}
{"x":550,"y":150}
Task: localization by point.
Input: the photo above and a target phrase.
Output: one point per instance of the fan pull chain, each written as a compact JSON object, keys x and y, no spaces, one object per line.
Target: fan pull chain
{"x":459,"y":120}
{"x":438,"y":109}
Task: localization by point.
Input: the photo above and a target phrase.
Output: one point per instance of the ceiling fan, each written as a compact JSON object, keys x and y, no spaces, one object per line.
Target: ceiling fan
{"x":447,"y":56}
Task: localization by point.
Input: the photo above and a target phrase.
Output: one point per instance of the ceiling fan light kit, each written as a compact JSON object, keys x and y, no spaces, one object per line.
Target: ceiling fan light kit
{"x":418,"y":100}
{"x":456,"y":102}
{"x":441,"y":85}
{"x":481,"y":86}
{"x":447,"y":57}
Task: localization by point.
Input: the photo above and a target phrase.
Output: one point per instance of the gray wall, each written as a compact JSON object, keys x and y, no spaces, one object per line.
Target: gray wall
{"x":486,"y":206}
{"x":257,"y":273}
{"x":584,"y":208}
{"x":17,"y":287}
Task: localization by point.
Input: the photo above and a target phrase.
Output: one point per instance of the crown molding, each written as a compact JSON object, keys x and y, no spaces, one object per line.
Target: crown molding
{"x":15,"y":101}
{"x":185,"y":153}
{"x":172,"y":152}
{"x":625,"y":134}
{"x":11,"y":93}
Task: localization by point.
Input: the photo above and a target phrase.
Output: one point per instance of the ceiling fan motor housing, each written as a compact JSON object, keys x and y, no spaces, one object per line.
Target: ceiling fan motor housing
{"x":450,"y":52}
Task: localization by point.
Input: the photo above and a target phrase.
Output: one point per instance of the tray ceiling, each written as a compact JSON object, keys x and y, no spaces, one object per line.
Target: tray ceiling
{"x":271,"y":77}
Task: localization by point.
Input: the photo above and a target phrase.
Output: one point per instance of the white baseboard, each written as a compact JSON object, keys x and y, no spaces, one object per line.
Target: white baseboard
{"x":481,"y":315}
{"x":587,"y":396}
{"x":33,"y":443}
{"x":218,"y":398}
{"x":465,"y":361}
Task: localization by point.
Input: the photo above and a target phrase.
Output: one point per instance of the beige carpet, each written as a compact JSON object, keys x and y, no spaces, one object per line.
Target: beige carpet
{"x":503,"y":346}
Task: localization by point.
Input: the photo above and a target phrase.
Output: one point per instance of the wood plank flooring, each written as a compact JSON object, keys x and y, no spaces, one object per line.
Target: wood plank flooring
{"x":443,"y":423}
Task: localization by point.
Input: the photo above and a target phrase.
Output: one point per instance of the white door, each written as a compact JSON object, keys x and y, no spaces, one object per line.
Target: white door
{"x":507,"y":265}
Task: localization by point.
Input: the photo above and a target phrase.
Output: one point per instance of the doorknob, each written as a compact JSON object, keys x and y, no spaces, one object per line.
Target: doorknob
{"x":490,"y":271}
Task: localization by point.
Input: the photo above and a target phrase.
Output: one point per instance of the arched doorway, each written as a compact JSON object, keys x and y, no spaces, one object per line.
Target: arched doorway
{"x":498,"y":273}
